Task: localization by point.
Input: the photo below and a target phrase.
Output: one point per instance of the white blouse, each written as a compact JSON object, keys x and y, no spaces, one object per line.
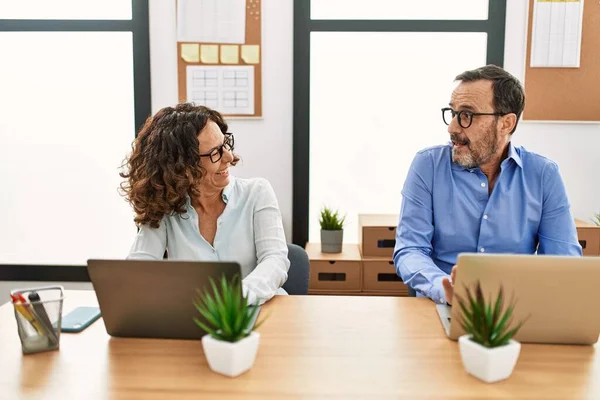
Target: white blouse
{"x":249,"y":232}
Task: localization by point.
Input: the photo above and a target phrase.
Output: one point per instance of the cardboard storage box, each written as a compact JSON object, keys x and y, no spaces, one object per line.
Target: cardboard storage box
{"x":589,"y":237}
{"x":379,"y":275}
{"x":377,"y":234}
{"x":341,"y":272}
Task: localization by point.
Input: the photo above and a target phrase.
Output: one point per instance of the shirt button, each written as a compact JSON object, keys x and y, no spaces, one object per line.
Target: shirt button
{"x":485,"y":216}
{"x":482,"y":184}
{"x":482,"y":250}
{"x":441,"y":301}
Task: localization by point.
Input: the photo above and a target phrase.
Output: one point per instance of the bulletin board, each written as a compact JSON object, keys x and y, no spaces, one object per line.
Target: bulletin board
{"x":225,"y":76}
{"x":566,"y":94}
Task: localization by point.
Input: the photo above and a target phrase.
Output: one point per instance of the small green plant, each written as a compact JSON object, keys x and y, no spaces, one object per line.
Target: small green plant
{"x":226,"y":311}
{"x":596,"y":219}
{"x":488,"y":324}
{"x":331,"y":220}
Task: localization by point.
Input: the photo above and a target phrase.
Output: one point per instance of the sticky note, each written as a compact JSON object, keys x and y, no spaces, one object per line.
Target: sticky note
{"x":251,"y":53}
{"x":209,"y":53}
{"x":230,"y":54}
{"x":190,"y":52}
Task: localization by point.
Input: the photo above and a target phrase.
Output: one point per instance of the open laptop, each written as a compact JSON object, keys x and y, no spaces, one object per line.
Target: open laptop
{"x":560,"y":294}
{"x":153,"y":299}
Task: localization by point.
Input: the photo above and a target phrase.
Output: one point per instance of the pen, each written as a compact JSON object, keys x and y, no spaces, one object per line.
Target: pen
{"x":25,"y":311}
{"x":42,"y":316}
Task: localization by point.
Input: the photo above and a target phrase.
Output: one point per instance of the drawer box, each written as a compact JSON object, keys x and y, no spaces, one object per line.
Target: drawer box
{"x":588,"y":235}
{"x":377,"y":234}
{"x":379,"y":275}
{"x":335,"y":275}
{"x":340,"y":272}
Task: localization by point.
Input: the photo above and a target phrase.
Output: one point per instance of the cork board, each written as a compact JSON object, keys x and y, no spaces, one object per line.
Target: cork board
{"x":566,"y":94}
{"x":234,"y":59}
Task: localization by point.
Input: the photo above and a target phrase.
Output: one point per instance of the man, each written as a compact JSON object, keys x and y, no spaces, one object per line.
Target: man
{"x":479,"y":193}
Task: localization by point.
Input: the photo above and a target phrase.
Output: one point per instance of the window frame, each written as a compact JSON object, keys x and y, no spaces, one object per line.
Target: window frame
{"x":494,"y":26}
{"x":139,"y":26}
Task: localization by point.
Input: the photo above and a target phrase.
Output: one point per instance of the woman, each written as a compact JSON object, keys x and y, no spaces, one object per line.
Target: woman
{"x":186,"y":202}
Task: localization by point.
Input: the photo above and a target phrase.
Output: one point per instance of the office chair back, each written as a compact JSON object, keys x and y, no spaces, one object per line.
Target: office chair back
{"x":297,"y":282}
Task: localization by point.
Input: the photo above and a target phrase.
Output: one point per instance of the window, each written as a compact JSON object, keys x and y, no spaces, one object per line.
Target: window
{"x":394,"y":9}
{"x":367,"y":95}
{"x":74,"y":94}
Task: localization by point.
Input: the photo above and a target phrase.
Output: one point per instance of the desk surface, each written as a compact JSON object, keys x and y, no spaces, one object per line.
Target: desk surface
{"x":311,"y":347}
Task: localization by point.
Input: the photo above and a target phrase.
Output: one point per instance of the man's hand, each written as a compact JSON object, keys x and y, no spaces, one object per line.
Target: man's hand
{"x":448,"y":284}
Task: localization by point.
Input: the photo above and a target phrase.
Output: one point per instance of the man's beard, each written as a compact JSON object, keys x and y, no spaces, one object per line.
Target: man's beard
{"x":475,"y":154}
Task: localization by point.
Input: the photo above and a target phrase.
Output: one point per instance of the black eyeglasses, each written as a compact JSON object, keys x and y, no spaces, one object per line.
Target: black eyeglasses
{"x":465,"y":118}
{"x":217,"y":153}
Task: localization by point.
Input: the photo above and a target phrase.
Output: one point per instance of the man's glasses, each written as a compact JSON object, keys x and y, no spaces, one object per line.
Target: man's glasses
{"x":465,"y":118}
{"x":217,"y":153}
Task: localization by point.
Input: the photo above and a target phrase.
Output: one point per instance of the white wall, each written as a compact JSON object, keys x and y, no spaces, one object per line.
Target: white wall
{"x":573,"y":146}
{"x":265,"y":145}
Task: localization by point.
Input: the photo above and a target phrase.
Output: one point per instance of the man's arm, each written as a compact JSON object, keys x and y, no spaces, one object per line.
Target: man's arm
{"x":557,"y":233}
{"x":412,"y":254}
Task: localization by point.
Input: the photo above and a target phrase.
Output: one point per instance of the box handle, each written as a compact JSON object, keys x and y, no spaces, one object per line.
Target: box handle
{"x":332,"y":276}
{"x":332,"y":262}
{"x":386,"y":243}
{"x":387,"y":277}
{"x":391,"y":228}
{"x":583,"y":243}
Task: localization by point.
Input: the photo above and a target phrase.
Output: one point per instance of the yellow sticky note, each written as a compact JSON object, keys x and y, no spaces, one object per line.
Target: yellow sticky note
{"x":190,"y":52}
{"x":230,"y":54}
{"x":251,"y":53}
{"x":209,"y":53}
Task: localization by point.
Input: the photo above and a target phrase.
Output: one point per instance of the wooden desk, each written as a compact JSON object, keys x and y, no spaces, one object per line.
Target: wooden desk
{"x":311,"y":347}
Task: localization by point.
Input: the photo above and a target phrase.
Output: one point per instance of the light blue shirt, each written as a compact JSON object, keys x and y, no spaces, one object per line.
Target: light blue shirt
{"x":446,"y":210}
{"x":249,"y":231}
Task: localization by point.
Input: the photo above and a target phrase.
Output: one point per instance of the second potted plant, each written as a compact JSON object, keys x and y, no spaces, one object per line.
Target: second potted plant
{"x":332,"y":231}
{"x":487,"y":350}
{"x":231,"y":343}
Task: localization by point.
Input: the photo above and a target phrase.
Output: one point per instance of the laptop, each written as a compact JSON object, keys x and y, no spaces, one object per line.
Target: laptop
{"x":153,"y":299}
{"x":559,"y":294}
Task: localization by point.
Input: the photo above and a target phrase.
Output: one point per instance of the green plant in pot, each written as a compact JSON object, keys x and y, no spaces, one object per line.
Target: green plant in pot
{"x":231,"y":343}
{"x":332,"y":231}
{"x":488,"y":350}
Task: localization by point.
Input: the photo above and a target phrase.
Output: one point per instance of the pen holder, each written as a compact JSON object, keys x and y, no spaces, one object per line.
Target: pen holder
{"x":39,"y":317}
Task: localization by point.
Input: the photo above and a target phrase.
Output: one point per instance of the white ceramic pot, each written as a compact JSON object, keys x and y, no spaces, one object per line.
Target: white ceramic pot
{"x":489,"y":365}
{"x":231,"y":359}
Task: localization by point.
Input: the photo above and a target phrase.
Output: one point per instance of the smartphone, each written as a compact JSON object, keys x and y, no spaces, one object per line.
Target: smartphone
{"x":79,"y":319}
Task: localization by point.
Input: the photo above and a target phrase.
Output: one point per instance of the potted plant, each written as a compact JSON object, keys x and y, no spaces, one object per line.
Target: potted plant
{"x":487,"y":349}
{"x":332,"y":231}
{"x":231,"y":343}
{"x":596,"y":219}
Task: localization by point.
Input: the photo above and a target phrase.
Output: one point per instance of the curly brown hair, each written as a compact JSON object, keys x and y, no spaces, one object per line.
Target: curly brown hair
{"x":164,"y":165}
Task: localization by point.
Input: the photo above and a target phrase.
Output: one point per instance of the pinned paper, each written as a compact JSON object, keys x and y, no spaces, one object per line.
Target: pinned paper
{"x":190,"y":52}
{"x":251,"y":53}
{"x":209,"y":53}
{"x":204,"y":21}
{"x":230,"y":54}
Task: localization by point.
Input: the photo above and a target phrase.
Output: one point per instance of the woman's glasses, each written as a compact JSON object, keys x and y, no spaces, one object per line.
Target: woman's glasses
{"x":217,"y":153}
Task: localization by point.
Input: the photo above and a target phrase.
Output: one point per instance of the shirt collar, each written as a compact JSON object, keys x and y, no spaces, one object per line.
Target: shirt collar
{"x":512,"y":153}
{"x":226,"y":195}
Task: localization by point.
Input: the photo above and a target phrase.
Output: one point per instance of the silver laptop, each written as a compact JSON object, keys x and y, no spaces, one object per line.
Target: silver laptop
{"x":559,"y":294}
{"x":153,"y":299}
